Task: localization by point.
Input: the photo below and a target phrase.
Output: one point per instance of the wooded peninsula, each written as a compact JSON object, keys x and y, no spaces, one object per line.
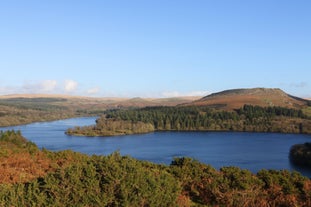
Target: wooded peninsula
{"x":197,"y":118}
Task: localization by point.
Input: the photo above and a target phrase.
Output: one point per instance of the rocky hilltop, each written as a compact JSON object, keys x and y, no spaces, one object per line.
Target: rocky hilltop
{"x":236,"y":98}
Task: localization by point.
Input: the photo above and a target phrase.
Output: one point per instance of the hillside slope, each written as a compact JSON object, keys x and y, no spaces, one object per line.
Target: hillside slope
{"x":237,"y":98}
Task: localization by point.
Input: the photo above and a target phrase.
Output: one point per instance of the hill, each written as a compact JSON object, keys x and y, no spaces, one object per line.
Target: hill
{"x":237,"y":98}
{"x":139,"y":102}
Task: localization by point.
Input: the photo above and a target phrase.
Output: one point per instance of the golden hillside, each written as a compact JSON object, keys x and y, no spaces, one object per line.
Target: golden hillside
{"x":236,"y":98}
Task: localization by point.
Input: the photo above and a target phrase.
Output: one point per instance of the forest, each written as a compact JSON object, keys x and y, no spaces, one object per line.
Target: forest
{"x":197,"y":118}
{"x":33,"y":177}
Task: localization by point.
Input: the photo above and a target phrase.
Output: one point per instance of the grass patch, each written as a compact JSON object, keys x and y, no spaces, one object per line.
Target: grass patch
{"x":307,"y":111}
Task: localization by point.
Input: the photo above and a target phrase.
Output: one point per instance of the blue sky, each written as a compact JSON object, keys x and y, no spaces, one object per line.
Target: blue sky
{"x":154,"y":48}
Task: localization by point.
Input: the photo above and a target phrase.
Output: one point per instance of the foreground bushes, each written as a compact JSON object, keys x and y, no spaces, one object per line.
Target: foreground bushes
{"x":74,"y":179}
{"x":100,"y":181}
{"x":232,"y":186}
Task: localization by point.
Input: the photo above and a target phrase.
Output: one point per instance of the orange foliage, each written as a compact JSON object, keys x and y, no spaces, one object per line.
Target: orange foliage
{"x":19,"y":165}
{"x":22,"y":167}
{"x":183,"y":200}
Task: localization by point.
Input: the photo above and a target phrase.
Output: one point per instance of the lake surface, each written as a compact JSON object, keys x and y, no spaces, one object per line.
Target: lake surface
{"x":253,"y":151}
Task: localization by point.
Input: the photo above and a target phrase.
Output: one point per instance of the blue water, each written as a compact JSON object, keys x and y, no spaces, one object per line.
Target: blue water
{"x":253,"y":151}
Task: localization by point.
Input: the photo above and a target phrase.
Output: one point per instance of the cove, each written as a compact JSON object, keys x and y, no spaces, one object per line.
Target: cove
{"x":252,"y":151}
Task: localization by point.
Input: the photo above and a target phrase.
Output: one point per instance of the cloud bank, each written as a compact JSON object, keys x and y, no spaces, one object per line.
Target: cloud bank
{"x":168,"y":94}
{"x":93,"y":91}
{"x":44,"y":86}
{"x":70,"y":86}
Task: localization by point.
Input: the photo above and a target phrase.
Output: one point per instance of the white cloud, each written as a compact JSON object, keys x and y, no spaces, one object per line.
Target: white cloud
{"x":169,"y":94}
{"x":198,"y":93}
{"x":70,"y":85}
{"x":48,"y":85}
{"x":45,"y":86}
{"x":93,"y":91}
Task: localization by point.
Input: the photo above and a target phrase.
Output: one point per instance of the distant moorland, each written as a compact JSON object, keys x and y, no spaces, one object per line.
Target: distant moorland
{"x":24,"y":109}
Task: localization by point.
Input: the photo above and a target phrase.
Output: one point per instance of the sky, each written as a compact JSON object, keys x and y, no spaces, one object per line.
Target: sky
{"x":154,"y":48}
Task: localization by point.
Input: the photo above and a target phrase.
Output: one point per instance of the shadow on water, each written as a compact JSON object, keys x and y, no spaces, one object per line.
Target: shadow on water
{"x":306,"y":171}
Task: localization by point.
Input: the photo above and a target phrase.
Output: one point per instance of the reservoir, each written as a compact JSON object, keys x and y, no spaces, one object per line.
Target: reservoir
{"x":252,"y":151}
